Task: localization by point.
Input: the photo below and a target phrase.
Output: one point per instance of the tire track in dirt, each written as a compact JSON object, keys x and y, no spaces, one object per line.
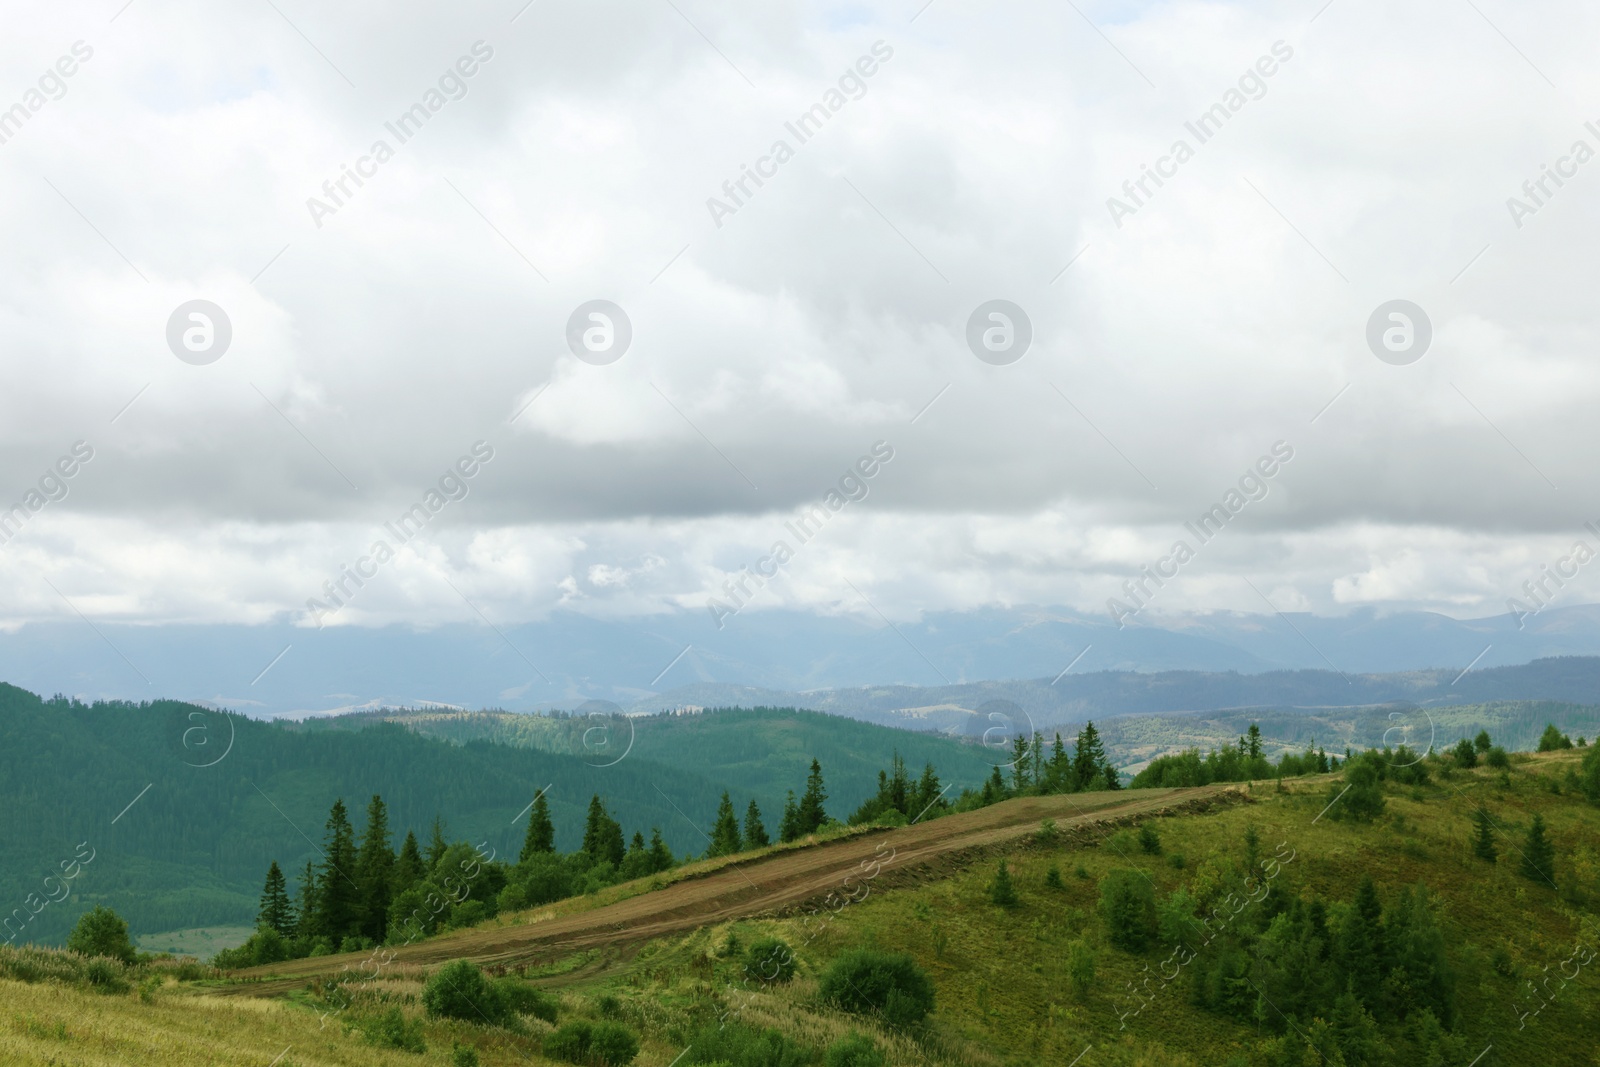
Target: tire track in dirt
{"x":771,"y":884}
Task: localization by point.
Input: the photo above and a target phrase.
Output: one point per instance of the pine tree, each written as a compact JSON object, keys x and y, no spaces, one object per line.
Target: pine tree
{"x":1019,"y":764}
{"x":789,"y":827}
{"x":1538,"y":858}
{"x":276,"y":911}
{"x":408,"y":867}
{"x":1059,"y":770}
{"x":305,"y":912}
{"x":755,"y":834}
{"x":1483,"y":840}
{"x":338,"y":893}
{"x":1088,"y":757}
{"x":660,"y":857}
{"x":812,"y":814}
{"x":541,"y":836}
{"x":1254,"y":742}
{"x":602,"y":835}
{"x":725,"y":831}
{"x":1112,"y":780}
{"x":375,"y":870}
{"x":436,"y":844}
{"x":928,"y":792}
{"x":1001,"y":891}
{"x":994,"y":788}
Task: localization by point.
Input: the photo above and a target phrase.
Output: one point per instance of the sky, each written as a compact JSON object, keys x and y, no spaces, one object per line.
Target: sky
{"x":359,"y":348}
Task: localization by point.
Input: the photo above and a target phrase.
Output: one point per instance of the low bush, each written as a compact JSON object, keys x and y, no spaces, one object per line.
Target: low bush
{"x":854,"y":1050}
{"x":392,"y":1030}
{"x":526,"y":999}
{"x":867,"y":980}
{"x":601,"y":1044}
{"x":458,"y":990}
{"x":769,"y":959}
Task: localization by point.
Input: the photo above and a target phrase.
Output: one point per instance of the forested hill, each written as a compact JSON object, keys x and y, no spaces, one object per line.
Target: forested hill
{"x":215,"y":797}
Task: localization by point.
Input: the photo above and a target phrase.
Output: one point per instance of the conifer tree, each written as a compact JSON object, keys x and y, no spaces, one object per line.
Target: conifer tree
{"x":1538,"y":858}
{"x":1001,"y":891}
{"x":755,"y":834}
{"x":276,"y":911}
{"x":1254,"y":741}
{"x":305,"y":912}
{"x":1059,"y":770}
{"x":928,"y":792}
{"x":1358,"y":948}
{"x":994,"y":788}
{"x":660,"y":856}
{"x":1020,"y":778}
{"x":725,"y":831}
{"x":1112,"y":780}
{"x":541,"y":836}
{"x":1088,"y":756}
{"x":1483,"y":839}
{"x":408,"y":866}
{"x":1482,"y":742}
{"x":602,"y":835}
{"x":812,"y":814}
{"x":436,"y":844}
{"x":375,"y":870}
{"x":338,"y":893}
{"x":789,"y":827}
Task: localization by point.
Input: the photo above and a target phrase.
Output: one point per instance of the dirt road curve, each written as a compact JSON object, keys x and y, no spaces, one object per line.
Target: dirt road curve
{"x":761,"y":886}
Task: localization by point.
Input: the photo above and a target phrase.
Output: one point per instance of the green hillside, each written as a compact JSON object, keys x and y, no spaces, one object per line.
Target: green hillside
{"x":215,"y":797}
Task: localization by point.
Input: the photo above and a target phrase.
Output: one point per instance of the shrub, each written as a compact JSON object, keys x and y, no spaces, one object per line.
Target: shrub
{"x":1052,"y":877}
{"x":1497,"y":758}
{"x":1466,"y":756}
{"x":735,"y":1043}
{"x":769,"y":959}
{"x":854,"y":1050}
{"x":1080,"y":968}
{"x":1149,"y":840}
{"x":1127,"y":904}
{"x":458,"y":990}
{"x":105,"y":976}
{"x":526,"y":999}
{"x":1001,"y":891}
{"x":605,"y":1044}
{"x":866,"y":980}
{"x":1047,"y":833}
{"x":463,"y":1056}
{"x":392,"y":1030}
{"x":892,"y":817}
{"x":1176,"y":860}
{"x":468,"y":913}
{"x":102,"y":932}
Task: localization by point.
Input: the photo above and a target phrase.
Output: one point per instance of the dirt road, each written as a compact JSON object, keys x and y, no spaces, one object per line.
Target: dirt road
{"x":767,"y":885}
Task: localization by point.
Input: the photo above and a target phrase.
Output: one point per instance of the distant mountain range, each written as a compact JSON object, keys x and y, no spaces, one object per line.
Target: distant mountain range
{"x":792,"y":658}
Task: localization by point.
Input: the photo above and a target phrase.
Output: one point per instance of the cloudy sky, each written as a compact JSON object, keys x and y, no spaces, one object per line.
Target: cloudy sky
{"x":779,"y":333}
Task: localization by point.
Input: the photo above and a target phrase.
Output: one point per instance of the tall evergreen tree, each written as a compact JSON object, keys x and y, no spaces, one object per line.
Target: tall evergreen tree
{"x":1020,"y":777}
{"x":541,"y":836}
{"x":1058,"y":773}
{"x":789,"y":827}
{"x":305,"y":912}
{"x":1483,"y":838}
{"x":409,"y":866}
{"x":755,"y":834}
{"x":338,"y":893}
{"x":725,"y":831}
{"x":1112,"y":781}
{"x":928,"y":792}
{"x":276,"y":911}
{"x":660,"y":856}
{"x":1538,"y":858}
{"x":437,"y":845}
{"x":1253,"y":736}
{"x":812,"y":813}
{"x":375,"y":870}
{"x":1088,"y":757}
{"x":1358,"y":948}
{"x":602,"y":835}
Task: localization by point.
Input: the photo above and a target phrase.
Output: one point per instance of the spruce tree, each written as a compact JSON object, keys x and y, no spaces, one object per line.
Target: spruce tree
{"x":1483,"y":840}
{"x":276,"y":911}
{"x":436,"y":844}
{"x":1088,"y":757}
{"x":1465,"y":755}
{"x":660,"y":856}
{"x":602,"y":835}
{"x":1001,"y":891}
{"x":1020,"y":778}
{"x":338,"y":893}
{"x":1058,"y":771}
{"x":812,"y":814}
{"x":541,"y":836}
{"x":375,"y":871}
{"x":1482,"y":742}
{"x":305,"y":912}
{"x":1254,"y":741}
{"x":789,"y":827}
{"x":1538,"y":858}
{"x":755,"y":834}
{"x":725,"y":831}
{"x":928,"y":792}
{"x":408,"y":866}
{"x":1112,"y":780}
